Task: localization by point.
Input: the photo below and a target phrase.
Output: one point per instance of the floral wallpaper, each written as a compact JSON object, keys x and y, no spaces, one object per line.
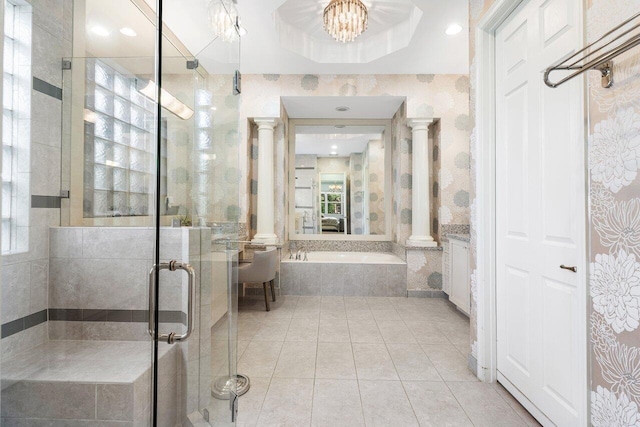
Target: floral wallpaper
{"x":613,"y":163}
{"x":356,"y":174}
{"x":614,"y":209}
{"x":374,"y":156}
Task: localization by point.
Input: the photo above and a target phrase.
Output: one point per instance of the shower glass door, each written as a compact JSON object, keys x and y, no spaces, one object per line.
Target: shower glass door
{"x":198,"y":190}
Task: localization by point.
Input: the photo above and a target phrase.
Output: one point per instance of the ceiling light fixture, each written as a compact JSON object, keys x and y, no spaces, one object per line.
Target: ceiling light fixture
{"x":223,"y":19}
{"x":453,"y":29}
{"x":334,"y":147}
{"x":129,"y":32}
{"x":342,"y":109}
{"x":100,"y":31}
{"x":345,"y":20}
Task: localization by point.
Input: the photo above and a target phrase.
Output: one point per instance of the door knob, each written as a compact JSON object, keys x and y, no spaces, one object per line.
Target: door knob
{"x":564,"y":267}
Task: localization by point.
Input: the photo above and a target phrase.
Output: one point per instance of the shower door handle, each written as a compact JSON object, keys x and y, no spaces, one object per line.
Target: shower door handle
{"x":172,"y":265}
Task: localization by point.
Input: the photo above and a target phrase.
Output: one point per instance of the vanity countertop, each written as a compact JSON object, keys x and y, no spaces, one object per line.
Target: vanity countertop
{"x":460,"y":237}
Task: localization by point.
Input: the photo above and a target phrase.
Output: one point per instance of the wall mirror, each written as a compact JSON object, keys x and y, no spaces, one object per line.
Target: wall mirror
{"x":340,"y":174}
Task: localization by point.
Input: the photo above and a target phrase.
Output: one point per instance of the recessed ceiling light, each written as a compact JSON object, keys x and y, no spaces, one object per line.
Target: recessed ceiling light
{"x":100,"y":31}
{"x":339,"y":126}
{"x":334,"y":147}
{"x":129,"y":32}
{"x":342,"y":109}
{"x":453,"y":29}
{"x":333,"y":153}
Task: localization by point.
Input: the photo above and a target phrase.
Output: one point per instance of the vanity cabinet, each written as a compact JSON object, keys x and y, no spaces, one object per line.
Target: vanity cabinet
{"x":446,"y":262}
{"x":459,"y":283}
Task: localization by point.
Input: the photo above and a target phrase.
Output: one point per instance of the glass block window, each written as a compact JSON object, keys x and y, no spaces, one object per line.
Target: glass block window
{"x":119,"y":147}
{"x":15,"y":144}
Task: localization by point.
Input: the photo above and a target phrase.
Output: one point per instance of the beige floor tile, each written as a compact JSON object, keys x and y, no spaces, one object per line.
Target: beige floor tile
{"x":250,"y":404}
{"x":411,"y":363}
{"x":426,"y":332}
{"x":385,"y":314}
{"x":373,"y":362}
{"x":303,"y":330}
{"x":335,"y":361}
{"x":449,"y":362}
{"x":360,"y":314}
{"x":484,"y":406}
{"x":297,"y":360}
{"x":516,"y":406}
{"x":385,"y":404}
{"x":333,"y":313}
{"x":288,"y":403}
{"x":272,"y":330}
{"x":333,"y":330}
{"x":395,"y":331}
{"x":336,"y":403}
{"x":364,"y":332}
{"x":260,"y":358}
{"x":355,"y":303}
{"x":435,"y":405}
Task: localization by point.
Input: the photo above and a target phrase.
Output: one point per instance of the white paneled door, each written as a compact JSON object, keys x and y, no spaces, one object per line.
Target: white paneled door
{"x":540,"y":214}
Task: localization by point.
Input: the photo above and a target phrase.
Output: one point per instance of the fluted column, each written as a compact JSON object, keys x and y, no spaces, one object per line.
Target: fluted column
{"x":266,"y":171}
{"x":420,"y":207}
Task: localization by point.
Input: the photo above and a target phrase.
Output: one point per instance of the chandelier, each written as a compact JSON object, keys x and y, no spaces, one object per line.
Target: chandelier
{"x":223,"y":16}
{"x":345,"y":20}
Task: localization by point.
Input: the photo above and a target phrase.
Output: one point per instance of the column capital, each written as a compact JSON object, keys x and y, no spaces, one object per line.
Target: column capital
{"x":419,"y":123}
{"x":266,"y":122}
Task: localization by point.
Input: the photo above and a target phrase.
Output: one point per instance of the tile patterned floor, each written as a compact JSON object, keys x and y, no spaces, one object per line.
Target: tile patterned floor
{"x":334,"y":361}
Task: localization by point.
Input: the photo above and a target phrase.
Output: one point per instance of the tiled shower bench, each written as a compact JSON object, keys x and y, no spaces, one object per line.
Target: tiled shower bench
{"x":84,"y":383}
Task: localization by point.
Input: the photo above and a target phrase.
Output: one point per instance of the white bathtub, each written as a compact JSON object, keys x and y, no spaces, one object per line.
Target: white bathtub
{"x":345,"y":274}
{"x":349,"y":258}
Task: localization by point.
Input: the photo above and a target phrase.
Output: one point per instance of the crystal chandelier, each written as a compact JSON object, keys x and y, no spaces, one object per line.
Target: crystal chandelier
{"x":223,"y":16}
{"x":345,"y":20}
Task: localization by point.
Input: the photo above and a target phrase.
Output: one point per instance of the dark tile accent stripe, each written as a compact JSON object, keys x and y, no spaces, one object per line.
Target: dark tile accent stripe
{"x":88,"y":315}
{"x":94,"y":315}
{"x":139,"y":316}
{"x":66,"y":314}
{"x":170,"y":316}
{"x":47,"y":88}
{"x":13,"y":327}
{"x":24,"y":323}
{"x":123,"y":316}
{"x":50,"y":202}
{"x":35,"y":319}
{"x":119,"y":316}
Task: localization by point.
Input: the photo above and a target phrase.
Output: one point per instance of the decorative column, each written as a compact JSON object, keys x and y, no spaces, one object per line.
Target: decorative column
{"x":266,"y":171}
{"x":420,"y":209}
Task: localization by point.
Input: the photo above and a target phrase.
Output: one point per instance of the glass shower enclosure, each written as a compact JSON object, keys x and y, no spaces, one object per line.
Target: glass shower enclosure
{"x":141,"y":249}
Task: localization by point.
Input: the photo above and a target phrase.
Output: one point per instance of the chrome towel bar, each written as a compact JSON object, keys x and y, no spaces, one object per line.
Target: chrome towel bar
{"x":599,"y":54}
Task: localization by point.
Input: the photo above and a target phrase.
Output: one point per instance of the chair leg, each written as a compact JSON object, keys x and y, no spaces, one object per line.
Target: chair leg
{"x":266,"y":299}
{"x":273,"y":291}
